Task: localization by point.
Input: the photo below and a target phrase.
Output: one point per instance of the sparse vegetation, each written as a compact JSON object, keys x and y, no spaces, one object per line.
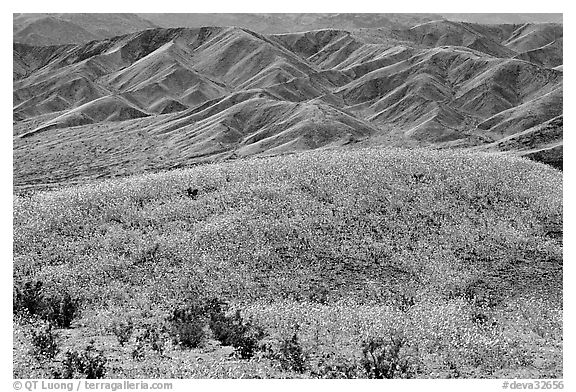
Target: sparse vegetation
{"x":44,"y":342}
{"x":89,"y":363}
{"x":188,"y":325}
{"x":123,"y":331}
{"x":393,"y":263}
{"x":57,"y":308}
{"x":237,"y":332}
{"x":291,"y":355}
{"x":387,"y":358}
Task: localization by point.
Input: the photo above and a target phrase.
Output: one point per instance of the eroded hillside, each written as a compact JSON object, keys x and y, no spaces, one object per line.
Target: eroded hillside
{"x":164,"y":98}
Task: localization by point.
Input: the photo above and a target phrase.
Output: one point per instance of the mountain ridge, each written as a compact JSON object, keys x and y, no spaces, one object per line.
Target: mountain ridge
{"x":223,"y":90}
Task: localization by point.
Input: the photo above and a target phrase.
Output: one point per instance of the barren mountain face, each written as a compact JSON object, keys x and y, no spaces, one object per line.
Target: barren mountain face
{"x":161,"y":98}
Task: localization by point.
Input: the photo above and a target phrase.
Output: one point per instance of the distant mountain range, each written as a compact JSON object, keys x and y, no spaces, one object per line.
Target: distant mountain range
{"x":171,"y":97}
{"x":509,"y":18}
{"x":57,"y":29}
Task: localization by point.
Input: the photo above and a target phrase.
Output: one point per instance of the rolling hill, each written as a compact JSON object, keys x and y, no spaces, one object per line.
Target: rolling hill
{"x":455,"y":253}
{"x":216,"y":93}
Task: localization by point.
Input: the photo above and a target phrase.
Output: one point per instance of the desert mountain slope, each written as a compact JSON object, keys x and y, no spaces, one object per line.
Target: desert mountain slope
{"x":108,"y":108}
{"x":192,"y":95}
{"x":532,"y":36}
{"x":543,"y":142}
{"x":56,"y":29}
{"x":504,"y":18}
{"x":289,"y":23}
{"x":525,"y":116}
{"x":549,"y":55}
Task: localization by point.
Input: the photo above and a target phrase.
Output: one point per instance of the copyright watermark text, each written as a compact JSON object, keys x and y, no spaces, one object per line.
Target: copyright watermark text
{"x":89,"y":385}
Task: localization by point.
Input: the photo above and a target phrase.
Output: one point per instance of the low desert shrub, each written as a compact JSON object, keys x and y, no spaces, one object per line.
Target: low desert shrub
{"x":89,"y":363}
{"x":29,"y":298}
{"x":386,"y":357}
{"x":61,"y":310}
{"x":188,"y":326}
{"x":187,"y":323}
{"x":237,"y":332}
{"x":139,"y":352}
{"x":154,"y":338}
{"x":149,"y":338}
{"x":44,"y":342}
{"x":123,"y":331}
{"x":291,"y":354}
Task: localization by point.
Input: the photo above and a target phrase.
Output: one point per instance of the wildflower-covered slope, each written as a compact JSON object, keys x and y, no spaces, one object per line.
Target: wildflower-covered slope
{"x":427,"y":237}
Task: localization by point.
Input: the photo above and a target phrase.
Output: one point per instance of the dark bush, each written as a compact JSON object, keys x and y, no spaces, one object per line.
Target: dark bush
{"x":384,"y":358}
{"x":89,"y":364}
{"x":150,"y":337}
{"x":44,"y":342}
{"x":123,"y":331}
{"x":187,"y":323}
{"x":27,"y":297}
{"x":291,"y":355}
{"x":139,"y":352}
{"x":61,"y":310}
{"x":153,"y":337}
{"x":189,"y":333}
{"x":237,"y":332}
{"x":30,"y":299}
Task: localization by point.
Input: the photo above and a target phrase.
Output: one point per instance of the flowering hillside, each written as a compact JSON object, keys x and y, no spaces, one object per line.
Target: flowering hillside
{"x":443,"y":264}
